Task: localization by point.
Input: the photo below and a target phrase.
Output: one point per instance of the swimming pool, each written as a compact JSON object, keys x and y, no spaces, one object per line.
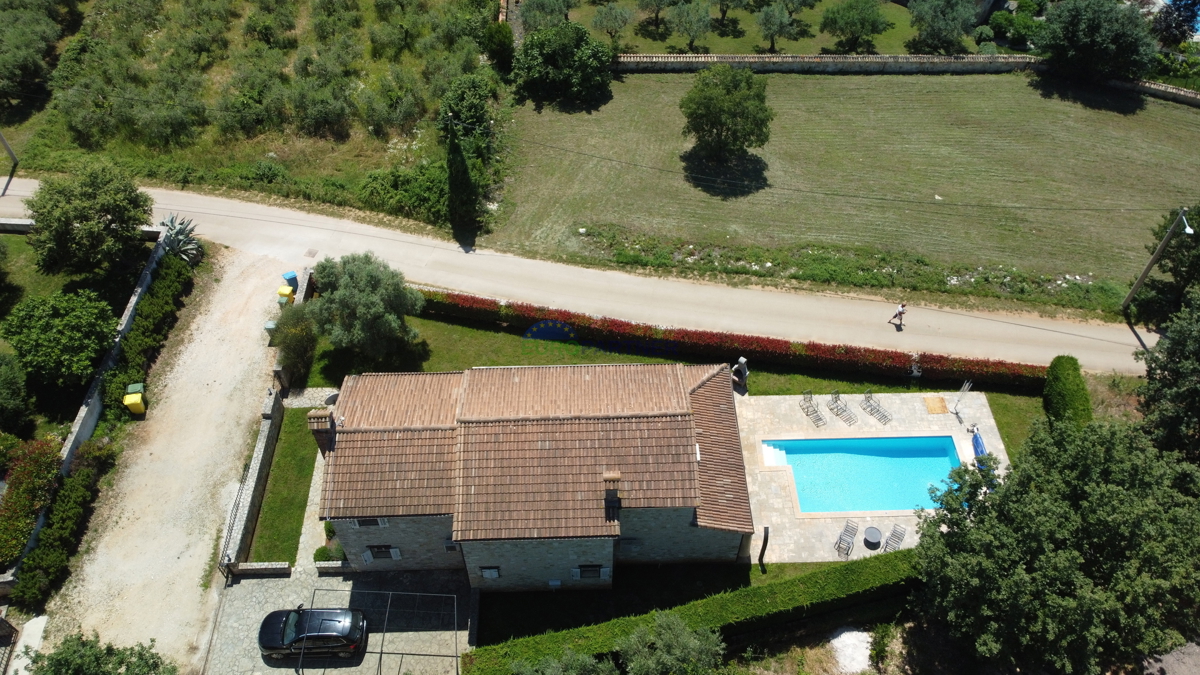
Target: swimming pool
{"x":864,"y":474}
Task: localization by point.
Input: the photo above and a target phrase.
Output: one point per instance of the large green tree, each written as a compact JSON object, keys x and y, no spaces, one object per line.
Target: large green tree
{"x":726,"y":111}
{"x":1085,"y":556}
{"x":691,"y":19}
{"x":59,"y":339}
{"x":1170,"y":399}
{"x":88,"y":221}
{"x":612,"y":19}
{"x":563,"y":63}
{"x":1179,"y":267}
{"x":941,"y":25}
{"x":855,"y":23}
{"x":79,"y":655}
{"x":363,"y":304}
{"x":1098,"y":40}
{"x":27,"y":38}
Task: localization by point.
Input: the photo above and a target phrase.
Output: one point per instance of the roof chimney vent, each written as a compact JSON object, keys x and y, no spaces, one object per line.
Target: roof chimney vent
{"x":612,"y":497}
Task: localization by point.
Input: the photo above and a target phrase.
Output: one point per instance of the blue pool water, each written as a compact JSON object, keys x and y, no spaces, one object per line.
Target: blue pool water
{"x":865,"y":474}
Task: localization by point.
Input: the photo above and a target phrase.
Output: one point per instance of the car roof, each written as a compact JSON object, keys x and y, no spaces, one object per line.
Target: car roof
{"x":324,"y":622}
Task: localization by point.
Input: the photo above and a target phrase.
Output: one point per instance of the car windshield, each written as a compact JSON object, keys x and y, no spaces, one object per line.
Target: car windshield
{"x":289,"y":627}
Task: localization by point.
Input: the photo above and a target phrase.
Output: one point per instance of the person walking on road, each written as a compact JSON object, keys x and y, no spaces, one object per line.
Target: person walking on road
{"x":900,"y":311}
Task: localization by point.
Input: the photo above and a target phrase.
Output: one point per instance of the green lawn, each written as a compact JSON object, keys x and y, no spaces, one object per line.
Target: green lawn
{"x":277,"y":533}
{"x":844,"y":147}
{"x":636,"y":589}
{"x":740,"y":34}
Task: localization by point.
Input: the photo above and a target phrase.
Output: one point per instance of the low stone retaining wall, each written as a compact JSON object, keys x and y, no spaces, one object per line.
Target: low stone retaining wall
{"x":244,"y":515}
{"x":333,"y":567}
{"x":828,"y":63}
{"x":1160,"y":90}
{"x":265,"y":569}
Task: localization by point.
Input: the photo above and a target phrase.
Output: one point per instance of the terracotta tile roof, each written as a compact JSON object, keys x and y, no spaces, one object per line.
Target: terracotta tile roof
{"x":397,"y":400}
{"x":572,"y":391}
{"x":724,"y":497}
{"x":545,"y":478}
{"x":694,"y":376}
{"x":390,"y":473}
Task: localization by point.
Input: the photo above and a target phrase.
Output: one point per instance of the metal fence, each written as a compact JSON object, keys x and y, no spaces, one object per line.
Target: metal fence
{"x":408,"y":633}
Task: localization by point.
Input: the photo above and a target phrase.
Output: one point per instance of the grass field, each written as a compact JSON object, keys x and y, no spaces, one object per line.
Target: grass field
{"x":862,"y":160}
{"x":277,"y":533}
{"x":740,"y":34}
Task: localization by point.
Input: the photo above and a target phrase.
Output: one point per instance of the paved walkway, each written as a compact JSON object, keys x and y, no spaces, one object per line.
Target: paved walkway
{"x":299,"y":238}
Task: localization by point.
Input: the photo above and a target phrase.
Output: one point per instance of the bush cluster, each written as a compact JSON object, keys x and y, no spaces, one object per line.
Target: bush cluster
{"x":1065,"y":397}
{"x":28,"y":31}
{"x":32,"y":474}
{"x":725,"y":346}
{"x":46,"y":565}
{"x":329,"y":553}
{"x":734,"y":612}
{"x":156,"y":314}
{"x":59,"y":339}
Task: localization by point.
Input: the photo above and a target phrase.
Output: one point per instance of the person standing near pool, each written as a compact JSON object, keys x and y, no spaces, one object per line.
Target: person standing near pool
{"x":900,"y":311}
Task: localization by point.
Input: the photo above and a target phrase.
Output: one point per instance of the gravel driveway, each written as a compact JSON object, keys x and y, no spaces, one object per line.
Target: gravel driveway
{"x":150,"y":546}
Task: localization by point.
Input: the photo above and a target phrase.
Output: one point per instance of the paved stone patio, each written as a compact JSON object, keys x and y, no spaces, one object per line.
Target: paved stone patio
{"x":809,"y":537}
{"x":421,"y":632}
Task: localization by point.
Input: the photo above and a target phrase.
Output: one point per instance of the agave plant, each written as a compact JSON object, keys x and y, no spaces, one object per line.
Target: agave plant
{"x":181,"y":240}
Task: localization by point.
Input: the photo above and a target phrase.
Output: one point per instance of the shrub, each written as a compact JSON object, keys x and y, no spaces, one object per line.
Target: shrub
{"x":32,"y":474}
{"x":881,"y":642}
{"x":421,"y":192}
{"x":1065,"y":397}
{"x":46,"y":565}
{"x":14,"y":402}
{"x":988,"y":48}
{"x":79,"y":655}
{"x":8,"y":444}
{"x":59,"y":339}
{"x":671,"y":647}
{"x":330,"y":531}
{"x":497,"y":43}
{"x":1000,"y":23}
{"x":983,"y":34}
{"x":296,"y":337}
{"x":570,"y":663}
{"x":562,"y":63}
{"x":329,"y":553}
{"x":740,"y":611}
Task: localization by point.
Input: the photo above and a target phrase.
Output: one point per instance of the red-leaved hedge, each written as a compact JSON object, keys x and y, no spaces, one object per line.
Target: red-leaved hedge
{"x":32,"y":474}
{"x":726,"y":346}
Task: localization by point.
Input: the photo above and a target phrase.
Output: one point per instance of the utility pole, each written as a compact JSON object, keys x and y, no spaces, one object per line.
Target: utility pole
{"x":13,"y":156}
{"x":1162,"y":246}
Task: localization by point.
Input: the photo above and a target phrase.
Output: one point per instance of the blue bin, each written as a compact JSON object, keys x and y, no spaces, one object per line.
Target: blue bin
{"x":290,"y":278}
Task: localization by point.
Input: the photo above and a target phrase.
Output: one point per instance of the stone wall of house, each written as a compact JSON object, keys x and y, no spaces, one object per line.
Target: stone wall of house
{"x":530,"y":564}
{"x":421,"y":541}
{"x":668,"y":535}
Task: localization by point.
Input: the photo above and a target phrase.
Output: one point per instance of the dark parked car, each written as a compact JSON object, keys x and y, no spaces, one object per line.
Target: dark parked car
{"x":313,"y":632}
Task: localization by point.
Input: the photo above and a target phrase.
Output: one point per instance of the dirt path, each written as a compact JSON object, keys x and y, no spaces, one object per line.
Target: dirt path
{"x":151,"y":543}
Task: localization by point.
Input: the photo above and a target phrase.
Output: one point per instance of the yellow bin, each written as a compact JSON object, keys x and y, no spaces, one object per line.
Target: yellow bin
{"x":287,"y":292}
{"x":135,"y":403}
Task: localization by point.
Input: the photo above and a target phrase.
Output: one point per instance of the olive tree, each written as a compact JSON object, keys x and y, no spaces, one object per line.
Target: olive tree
{"x":726,"y":111}
{"x":774,"y":23}
{"x":941,"y":25}
{"x":656,"y":8}
{"x":85,"y":222}
{"x":855,"y":23}
{"x":612,"y":19}
{"x":363,"y":304}
{"x":691,"y":19}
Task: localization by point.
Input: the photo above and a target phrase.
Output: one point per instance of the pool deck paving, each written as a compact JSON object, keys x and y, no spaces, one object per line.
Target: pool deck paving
{"x":796,"y":536}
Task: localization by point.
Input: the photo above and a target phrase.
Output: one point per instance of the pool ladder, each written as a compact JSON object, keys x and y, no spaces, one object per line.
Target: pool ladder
{"x":838,"y":407}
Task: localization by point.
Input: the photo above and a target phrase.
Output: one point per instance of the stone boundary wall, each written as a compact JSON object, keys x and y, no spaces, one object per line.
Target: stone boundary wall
{"x":829,"y":64}
{"x":89,"y":413}
{"x":235,"y":549}
{"x":1160,"y":90}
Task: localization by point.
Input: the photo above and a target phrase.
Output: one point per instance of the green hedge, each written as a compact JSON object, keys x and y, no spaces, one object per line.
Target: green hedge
{"x":46,"y":566}
{"x":734,"y":612}
{"x":156,"y":315}
{"x":1066,"y":396}
{"x":32,"y":475}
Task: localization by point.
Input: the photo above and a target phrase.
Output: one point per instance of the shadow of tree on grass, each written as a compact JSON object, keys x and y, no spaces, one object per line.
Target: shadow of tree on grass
{"x":739,"y":176}
{"x":1089,"y":95}
{"x":731,"y":27}
{"x":646,"y":29}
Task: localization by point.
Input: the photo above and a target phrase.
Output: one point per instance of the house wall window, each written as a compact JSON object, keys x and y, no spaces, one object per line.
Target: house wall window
{"x":490,"y":572}
{"x":591,"y":572}
{"x":380,"y":552}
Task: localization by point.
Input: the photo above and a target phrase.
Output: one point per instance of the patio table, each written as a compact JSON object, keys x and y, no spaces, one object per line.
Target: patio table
{"x":872,"y":537}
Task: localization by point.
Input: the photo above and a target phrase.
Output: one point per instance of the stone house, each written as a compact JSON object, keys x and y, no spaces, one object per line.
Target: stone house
{"x":536,"y":477}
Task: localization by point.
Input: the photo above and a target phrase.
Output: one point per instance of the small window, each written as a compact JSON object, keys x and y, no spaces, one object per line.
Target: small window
{"x":589,"y":571}
{"x":383,"y":551}
{"x":490,"y":572}
{"x":371,"y":522}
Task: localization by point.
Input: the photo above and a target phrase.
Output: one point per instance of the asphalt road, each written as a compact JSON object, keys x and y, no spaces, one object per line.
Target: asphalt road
{"x":301,"y":238}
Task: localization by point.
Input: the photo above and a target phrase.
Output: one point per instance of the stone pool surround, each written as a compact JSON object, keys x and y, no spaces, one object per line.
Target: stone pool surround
{"x":797,"y":536}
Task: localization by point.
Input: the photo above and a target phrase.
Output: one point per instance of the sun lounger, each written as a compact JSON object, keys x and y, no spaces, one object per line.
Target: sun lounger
{"x":874,"y":409}
{"x":809,"y":406}
{"x":895,"y":539}
{"x":845,"y":542}
{"x":839,"y":408}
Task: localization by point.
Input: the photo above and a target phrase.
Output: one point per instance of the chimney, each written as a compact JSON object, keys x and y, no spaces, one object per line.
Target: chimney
{"x":320,"y":423}
{"x":612,"y":498}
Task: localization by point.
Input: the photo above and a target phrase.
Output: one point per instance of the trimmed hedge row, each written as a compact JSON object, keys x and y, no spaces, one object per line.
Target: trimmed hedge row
{"x":33,"y":473}
{"x":46,"y":565}
{"x":156,"y":315}
{"x":724,"y":346}
{"x":733,"y":612}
